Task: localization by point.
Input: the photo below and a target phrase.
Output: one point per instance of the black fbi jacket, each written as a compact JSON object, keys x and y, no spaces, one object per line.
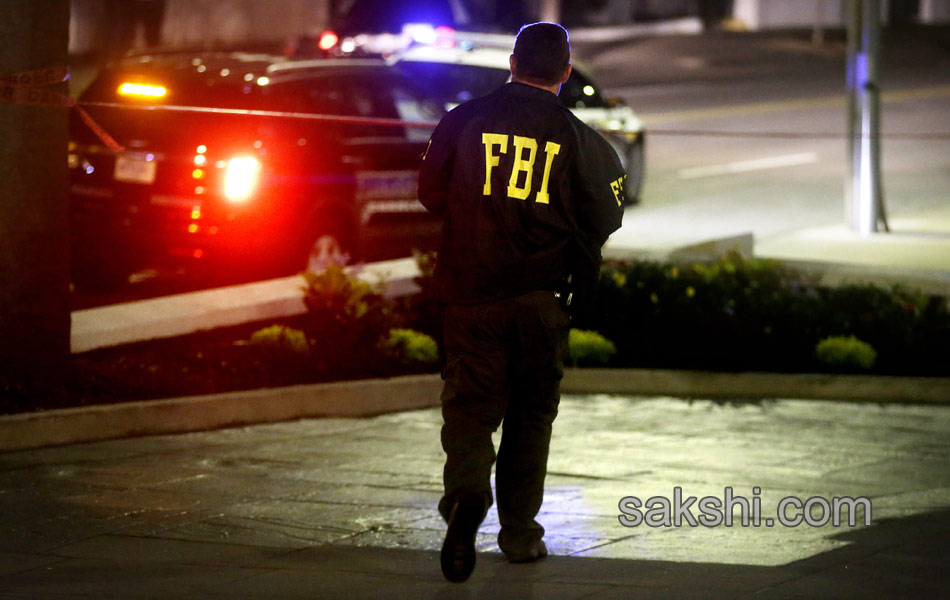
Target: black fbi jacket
{"x":527,"y":193}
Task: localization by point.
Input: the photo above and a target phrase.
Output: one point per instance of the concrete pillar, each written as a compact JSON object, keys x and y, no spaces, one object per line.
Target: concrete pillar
{"x":550,"y":11}
{"x":771,"y":14}
{"x":933,"y":12}
{"x":34,"y":223}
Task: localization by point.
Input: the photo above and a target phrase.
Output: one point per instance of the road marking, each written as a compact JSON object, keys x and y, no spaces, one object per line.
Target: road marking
{"x":745,"y":166}
{"x":758,"y":108}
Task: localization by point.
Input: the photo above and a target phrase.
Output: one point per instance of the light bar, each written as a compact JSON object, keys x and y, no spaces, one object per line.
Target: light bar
{"x":420,"y":33}
{"x":427,"y":35}
{"x":142,"y":89}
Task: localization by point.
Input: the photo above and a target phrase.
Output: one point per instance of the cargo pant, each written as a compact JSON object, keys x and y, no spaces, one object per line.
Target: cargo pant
{"x":504,"y":363}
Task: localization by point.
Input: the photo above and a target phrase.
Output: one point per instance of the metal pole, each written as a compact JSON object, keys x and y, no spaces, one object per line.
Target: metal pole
{"x":863,"y":204}
{"x":551,"y":11}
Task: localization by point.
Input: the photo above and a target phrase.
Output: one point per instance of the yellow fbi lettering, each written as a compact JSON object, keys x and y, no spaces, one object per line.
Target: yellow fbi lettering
{"x":617,"y":187}
{"x":526,"y":153}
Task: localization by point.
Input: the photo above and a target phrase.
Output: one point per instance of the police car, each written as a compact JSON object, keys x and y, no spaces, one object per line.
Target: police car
{"x":456,"y":66}
{"x":459,"y":66}
{"x":239,"y":162}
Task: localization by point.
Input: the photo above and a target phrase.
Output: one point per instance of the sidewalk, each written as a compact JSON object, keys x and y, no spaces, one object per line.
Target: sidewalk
{"x":344,"y":508}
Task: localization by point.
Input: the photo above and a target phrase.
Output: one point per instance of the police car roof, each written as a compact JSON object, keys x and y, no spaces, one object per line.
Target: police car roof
{"x":323,"y":64}
{"x":487,"y":57}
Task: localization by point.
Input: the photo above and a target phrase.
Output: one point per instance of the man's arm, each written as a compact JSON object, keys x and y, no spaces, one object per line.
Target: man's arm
{"x":436,"y":170}
{"x":598,"y":191}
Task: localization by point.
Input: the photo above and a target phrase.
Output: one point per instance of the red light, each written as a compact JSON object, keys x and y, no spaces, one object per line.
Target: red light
{"x":198,"y":253}
{"x":241,"y":177}
{"x":444,"y":37}
{"x":328,"y":39}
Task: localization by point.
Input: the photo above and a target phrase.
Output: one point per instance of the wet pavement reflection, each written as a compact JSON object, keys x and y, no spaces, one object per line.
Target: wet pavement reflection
{"x":255,"y":504}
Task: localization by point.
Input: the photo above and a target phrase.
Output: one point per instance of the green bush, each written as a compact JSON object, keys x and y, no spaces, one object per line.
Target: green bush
{"x":588,"y":348}
{"x":745,"y":314}
{"x":845,"y":352}
{"x":410,"y":348}
{"x":345,"y":319}
{"x":281,"y":338}
{"x":336,"y":293}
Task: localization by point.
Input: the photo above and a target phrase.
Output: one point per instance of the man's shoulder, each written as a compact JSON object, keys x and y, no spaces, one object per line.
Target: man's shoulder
{"x":466,"y":109}
{"x":456,"y":119}
{"x":585,"y":134}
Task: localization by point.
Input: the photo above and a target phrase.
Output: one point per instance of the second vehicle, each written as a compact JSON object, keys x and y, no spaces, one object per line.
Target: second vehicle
{"x":234,"y":162}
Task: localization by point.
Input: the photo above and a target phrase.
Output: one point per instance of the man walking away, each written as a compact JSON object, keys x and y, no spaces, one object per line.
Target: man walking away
{"x":528,"y":194}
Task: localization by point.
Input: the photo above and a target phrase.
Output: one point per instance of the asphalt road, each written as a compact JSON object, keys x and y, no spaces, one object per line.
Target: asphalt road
{"x":746,"y":133}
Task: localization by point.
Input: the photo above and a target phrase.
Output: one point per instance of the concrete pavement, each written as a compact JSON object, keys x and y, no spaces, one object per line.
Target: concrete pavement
{"x":345,"y":508}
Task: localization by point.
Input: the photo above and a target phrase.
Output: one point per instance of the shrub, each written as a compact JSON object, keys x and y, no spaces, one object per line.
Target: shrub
{"x":410,"y":348}
{"x":423,"y":311}
{"x":732,"y":313}
{"x":345,"y":318}
{"x":745,"y":314}
{"x":281,"y":338}
{"x":337,"y":294}
{"x":589,"y":348}
{"x":847,"y":352}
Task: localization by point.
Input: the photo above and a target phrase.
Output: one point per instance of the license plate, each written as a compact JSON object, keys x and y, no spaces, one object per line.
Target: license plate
{"x":135,"y":169}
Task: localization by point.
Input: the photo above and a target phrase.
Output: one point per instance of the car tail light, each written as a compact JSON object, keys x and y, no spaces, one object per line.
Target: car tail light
{"x":444,"y":37}
{"x":328,"y":39}
{"x":241,"y":177}
{"x":142,"y":90}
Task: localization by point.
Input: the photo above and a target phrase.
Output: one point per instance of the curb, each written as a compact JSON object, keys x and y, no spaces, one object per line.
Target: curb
{"x":351,"y":399}
{"x":758,"y":386}
{"x":189,"y":312}
{"x":365,"y":398}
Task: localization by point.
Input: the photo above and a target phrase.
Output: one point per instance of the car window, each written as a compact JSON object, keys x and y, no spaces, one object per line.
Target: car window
{"x":410,"y":106}
{"x":204,"y":80}
{"x":452,"y":83}
{"x":179,"y":89}
{"x":373,"y":94}
{"x":580,"y":92}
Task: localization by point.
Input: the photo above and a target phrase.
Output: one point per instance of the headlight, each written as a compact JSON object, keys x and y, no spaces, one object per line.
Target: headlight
{"x":241,"y":177}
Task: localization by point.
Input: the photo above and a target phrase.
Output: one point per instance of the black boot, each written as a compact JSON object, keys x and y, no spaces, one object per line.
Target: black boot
{"x":458,"y":549}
